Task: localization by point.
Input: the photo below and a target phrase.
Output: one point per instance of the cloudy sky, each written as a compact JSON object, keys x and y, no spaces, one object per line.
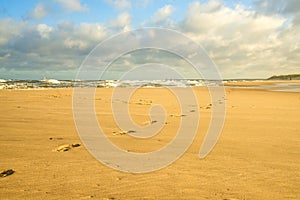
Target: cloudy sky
{"x":244,"y":38}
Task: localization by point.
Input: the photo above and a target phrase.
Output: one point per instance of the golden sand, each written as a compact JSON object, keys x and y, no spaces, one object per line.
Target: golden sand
{"x":256,"y":157}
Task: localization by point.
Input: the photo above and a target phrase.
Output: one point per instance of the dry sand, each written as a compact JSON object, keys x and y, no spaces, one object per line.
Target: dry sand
{"x":257,"y":156}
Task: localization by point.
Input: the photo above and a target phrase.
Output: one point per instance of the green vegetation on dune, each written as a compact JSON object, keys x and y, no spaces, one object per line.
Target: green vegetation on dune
{"x":285,"y":77}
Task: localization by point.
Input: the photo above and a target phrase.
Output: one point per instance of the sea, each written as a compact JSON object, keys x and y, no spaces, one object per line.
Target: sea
{"x":177,"y":83}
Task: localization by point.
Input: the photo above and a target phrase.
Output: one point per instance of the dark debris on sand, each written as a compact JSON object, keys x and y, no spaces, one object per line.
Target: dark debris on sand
{"x":6,"y":173}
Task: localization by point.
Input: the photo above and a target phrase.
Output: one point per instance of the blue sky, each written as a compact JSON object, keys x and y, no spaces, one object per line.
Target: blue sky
{"x":245,"y":38}
{"x":99,"y":10}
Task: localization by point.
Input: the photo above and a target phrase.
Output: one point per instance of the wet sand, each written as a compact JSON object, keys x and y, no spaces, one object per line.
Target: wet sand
{"x":256,"y":157}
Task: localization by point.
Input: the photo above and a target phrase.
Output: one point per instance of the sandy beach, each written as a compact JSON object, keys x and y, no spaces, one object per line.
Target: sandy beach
{"x":256,"y":157}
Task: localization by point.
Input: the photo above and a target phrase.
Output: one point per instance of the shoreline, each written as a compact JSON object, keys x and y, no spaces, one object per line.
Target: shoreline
{"x":290,"y":86}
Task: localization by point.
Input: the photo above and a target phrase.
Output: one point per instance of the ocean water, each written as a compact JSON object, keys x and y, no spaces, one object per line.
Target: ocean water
{"x":52,"y":83}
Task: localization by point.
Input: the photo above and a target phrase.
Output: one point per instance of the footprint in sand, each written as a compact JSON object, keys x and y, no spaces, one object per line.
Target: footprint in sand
{"x":149,"y":122}
{"x":144,"y":102}
{"x":173,"y":115}
{"x":109,"y":198}
{"x":208,"y":106}
{"x":54,"y":138}
{"x":66,"y":147}
{"x":123,"y":132}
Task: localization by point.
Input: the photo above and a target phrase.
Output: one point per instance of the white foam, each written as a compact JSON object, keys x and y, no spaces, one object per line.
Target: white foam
{"x":53,"y":81}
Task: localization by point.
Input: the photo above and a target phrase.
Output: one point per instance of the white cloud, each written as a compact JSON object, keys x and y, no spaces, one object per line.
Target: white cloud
{"x":43,"y":47}
{"x":278,"y":6}
{"x":122,"y":22}
{"x":243,"y":42}
{"x":9,"y":30}
{"x":39,"y":11}
{"x":72,"y":5}
{"x":162,"y":14}
{"x":94,"y":31}
{"x":44,"y":30}
{"x":6,"y":55}
{"x":73,"y":43}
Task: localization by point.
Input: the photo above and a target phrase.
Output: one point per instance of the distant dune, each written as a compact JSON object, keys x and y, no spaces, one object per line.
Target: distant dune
{"x":285,"y":77}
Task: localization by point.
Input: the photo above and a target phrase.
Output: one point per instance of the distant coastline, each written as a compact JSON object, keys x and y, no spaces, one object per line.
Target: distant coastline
{"x":285,"y":77}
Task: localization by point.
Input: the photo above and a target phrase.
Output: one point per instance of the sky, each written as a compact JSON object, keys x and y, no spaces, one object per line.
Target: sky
{"x":244,"y":38}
